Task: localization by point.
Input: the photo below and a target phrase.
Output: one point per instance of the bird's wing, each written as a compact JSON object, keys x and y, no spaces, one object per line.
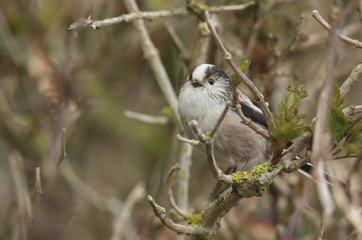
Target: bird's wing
{"x":250,"y":110}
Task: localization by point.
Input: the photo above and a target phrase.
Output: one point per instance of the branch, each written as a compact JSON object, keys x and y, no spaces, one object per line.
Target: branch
{"x":171,"y":199}
{"x":221,"y":117}
{"x":352,"y":110}
{"x":63,"y":153}
{"x":289,"y":161}
{"x":153,"y":58}
{"x":354,"y":42}
{"x":184,"y":53}
{"x":320,"y":136}
{"x":179,"y":12}
{"x":184,"y":176}
{"x":259,"y":97}
{"x":192,"y":142}
{"x":38,"y":190}
{"x":122,"y":218}
{"x":351,"y":80}
{"x":208,"y":141}
{"x":144,"y":118}
{"x":23,"y":201}
{"x":216,"y":171}
{"x":250,"y":123}
{"x":232,"y":195}
{"x":160,"y":212}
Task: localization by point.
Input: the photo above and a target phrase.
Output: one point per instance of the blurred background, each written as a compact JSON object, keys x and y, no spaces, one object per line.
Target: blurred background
{"x":52,"y":78}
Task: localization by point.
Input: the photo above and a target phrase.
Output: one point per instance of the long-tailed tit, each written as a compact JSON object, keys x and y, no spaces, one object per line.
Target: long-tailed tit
{"x":203,"y":97}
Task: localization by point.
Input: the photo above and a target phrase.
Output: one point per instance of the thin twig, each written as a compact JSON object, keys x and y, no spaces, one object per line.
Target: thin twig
{"x":122,"y":219}
{"x":38,"y":190}
{"x":250,"y":123}
{"x":184,"y":53}
{"x":144,"y":118}
{"x":197,"y":131}
{"x":355,"y":75}
{"x":352,"y":110}
{"x":153,"y":58}
{"x":320,"y":135}
{"x":359,"y":9}
{"x":185,"y":160}
{"x":259,"y":97}
{"x":263,"y":9}
{"x":289,"y":161}
{"x":171,"y":199}
{"x":218,"y":174}
{"x":179,"y":12}
{"x":321,"y":230}
{"x":193,"y":142}
{"x":354,"y":42}
{"x":221,"y":117}
{"x":63,"y":153}
{"x":22,"y":193}
{"x":160,"y":212}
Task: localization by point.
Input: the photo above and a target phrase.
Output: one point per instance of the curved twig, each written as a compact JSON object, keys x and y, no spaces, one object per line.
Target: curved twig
{"x":193,"y":142}
{"x":171,"y":199}
{"x":354,"y":42}
{"x":160,"y":212}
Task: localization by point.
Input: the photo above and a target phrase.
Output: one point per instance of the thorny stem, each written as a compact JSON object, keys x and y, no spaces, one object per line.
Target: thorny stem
{"x":179,"y":12}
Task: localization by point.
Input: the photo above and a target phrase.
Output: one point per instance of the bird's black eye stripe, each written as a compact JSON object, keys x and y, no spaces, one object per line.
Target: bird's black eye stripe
{"x":211,"y":81}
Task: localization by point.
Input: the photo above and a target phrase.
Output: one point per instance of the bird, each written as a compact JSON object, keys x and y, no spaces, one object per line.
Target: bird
{"x":202,"y":98}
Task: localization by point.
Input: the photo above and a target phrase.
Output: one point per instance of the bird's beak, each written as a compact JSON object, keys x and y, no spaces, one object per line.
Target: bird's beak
{"x":196,"y":83}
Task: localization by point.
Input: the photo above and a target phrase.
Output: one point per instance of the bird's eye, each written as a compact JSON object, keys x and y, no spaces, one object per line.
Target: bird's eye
{"x":211,"y":81}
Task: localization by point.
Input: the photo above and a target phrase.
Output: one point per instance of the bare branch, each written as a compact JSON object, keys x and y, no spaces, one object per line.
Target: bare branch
{"x":250,"y":123}
{"x":353,"y":111}
{"x":63,"y":153}
{"x":197,"y":131}
{"x":171,"y":199}
{"x":160,"y":212}
{"x":259,"y":97}
{"x":184,"y":53}
{"x":153,"y":58}
{"x":231,"y":7}
{"x":22,"y":194}
{"x":221,"y":117}
{"x":263,"y":9}
{"x":184,"y":175}
{"x":354,"y":42}
{"x":144,"y":118}
{"x":320,"y":136}
{"x":351,"y":80}
{"x":38,"y":189}
{"x":289,"y":161}
{"x":189,"y":141}
{"x":232,"y":195}
{"x":179,"y":12}
{"x":86,"y":192}
{"x":218,"y":174}
{"x":122,"y":219}
{"x":359,"y":9}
